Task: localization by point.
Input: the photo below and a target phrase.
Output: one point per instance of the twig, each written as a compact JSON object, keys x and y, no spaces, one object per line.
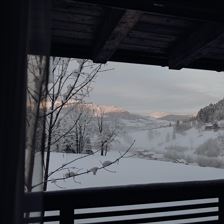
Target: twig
{"x":84,"y":172}
{"x":111,"y":171}
{"x":72,"y":161}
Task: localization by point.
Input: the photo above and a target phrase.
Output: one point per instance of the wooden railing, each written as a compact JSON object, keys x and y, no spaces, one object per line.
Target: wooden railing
{"x":183,"y":202}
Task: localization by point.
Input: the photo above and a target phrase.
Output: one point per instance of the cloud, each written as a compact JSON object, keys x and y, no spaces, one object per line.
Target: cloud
{"x":141,"y":88}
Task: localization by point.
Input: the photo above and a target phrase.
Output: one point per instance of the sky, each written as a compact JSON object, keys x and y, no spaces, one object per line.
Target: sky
{"x":144,"y":88}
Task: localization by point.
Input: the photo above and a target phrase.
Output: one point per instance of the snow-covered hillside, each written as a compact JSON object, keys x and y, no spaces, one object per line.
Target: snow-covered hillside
{"x":158,"y":114}
{"x":155,"y":139}
{"x":212,"y":112}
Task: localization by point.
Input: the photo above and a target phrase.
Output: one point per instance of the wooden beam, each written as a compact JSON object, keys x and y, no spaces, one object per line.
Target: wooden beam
{"x":62,"y":49}
{"x":195,"y":45}
{"x":194,"y":10}
{"x":117,"y":24}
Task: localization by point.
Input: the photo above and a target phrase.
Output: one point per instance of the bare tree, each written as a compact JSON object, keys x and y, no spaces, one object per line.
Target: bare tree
{"x":70,"y":82}
{"x":106,"y":132}
{"x":77,"y":119}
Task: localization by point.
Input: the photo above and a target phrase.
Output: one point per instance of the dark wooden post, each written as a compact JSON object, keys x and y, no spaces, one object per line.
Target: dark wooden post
{"x":13,"y":99}
{"x":221,"y":209}
{"x":67,"y":215}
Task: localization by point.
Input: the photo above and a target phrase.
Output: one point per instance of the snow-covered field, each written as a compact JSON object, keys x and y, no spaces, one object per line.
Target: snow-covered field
{"x":127,"y":171}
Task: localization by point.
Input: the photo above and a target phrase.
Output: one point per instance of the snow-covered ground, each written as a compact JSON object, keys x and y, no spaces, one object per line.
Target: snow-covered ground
{"x":127,"y":171}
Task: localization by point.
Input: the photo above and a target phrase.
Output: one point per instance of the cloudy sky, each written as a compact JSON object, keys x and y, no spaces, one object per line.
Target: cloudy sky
{"x":145,"y":88}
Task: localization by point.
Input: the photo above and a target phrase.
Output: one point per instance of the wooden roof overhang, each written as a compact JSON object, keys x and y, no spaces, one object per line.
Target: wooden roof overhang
{"x":177,"y":34}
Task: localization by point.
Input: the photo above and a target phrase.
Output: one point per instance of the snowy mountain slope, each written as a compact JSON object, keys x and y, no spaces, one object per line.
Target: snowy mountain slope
{"x":158,"y":114}
{"x":157,"y":139}
{"x":176,"y":117}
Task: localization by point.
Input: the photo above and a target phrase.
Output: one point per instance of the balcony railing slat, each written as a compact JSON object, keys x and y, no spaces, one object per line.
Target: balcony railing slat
{"x":160,"y":219}
{"x":221,"y":208}
{"x":205,"y":222}
{"x":200,"y":222}
{"x":39,"y":219}
{"x":144,"y":211}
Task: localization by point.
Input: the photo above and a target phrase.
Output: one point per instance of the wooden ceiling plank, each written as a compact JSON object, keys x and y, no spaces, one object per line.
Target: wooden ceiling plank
{"x":74,"y":18}
{"x":137,"y":48}
{"x":152,"y":35}
{"x":192,"y":10}
{"x":159,"y":19}
{"x":193,"y":47}
{"x":117,"y":24}
{"x":77,"y":7}
{"x":159,"y":29}
{"x":71,"y":34}
{"x":147,"y":42}
{"x":83,"y":28}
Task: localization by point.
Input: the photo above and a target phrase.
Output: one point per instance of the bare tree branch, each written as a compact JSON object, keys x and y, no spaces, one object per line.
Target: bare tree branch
{"x":87,"y":171}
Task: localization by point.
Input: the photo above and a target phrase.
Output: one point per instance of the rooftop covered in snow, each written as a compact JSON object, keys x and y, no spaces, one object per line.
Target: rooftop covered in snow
{"x":177,"y":34}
